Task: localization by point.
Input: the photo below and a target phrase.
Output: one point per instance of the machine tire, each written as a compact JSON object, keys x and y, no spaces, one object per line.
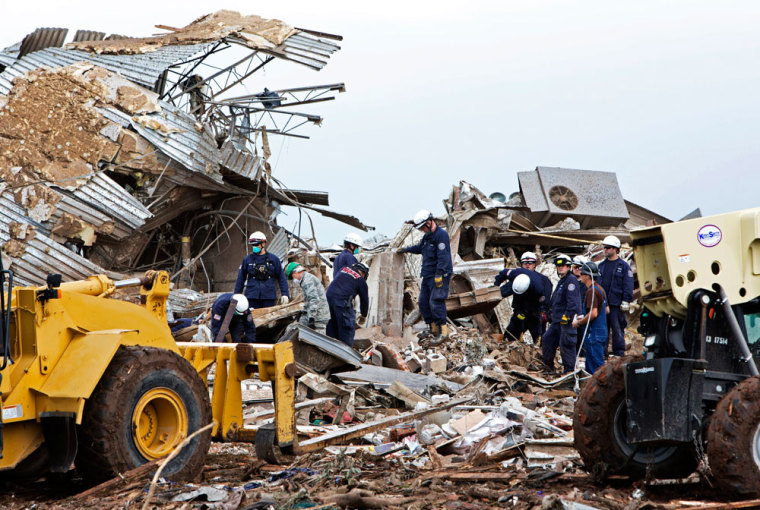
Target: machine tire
{"x":599,"y":432}
{"x":733,"y":440}
{"x":145,"y":395}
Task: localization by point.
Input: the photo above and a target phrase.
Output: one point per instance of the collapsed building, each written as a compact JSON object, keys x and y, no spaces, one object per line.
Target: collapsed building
{"x":120,"y":155}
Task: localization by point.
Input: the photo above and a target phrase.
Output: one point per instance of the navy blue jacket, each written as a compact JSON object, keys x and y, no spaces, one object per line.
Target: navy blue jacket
{"x":566,"y":299}
{"x":241,"y":329}
{"x":261,"y":289}
{"x":533,"y":300}
{"x":344,"y":259}
{"x":436,"y":253}
{"x":616,"y":278}
{"x":345,"y":287}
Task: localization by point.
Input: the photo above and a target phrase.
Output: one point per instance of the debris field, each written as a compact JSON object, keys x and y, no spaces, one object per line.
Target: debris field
{"x":120,"y":155}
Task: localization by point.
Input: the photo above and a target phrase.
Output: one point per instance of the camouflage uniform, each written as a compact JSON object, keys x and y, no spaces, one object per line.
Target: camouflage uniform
{"x":316,"y":303}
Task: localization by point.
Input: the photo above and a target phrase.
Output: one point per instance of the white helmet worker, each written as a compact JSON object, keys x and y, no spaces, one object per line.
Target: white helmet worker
{"x":611,"y":241}
{"x":242,"y":304}
{"x":257,"y":237}
{"x":421,"y":218}
{"x":353,"y":238}
{"x":529,"y":256}
{"x":521,"y":283}
{"x":580,"y":260}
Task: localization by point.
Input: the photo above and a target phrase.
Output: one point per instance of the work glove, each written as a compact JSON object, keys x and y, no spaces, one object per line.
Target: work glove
{"x":521,"y":316}
{"x":312,"y":323}
{"x":438,"y":281}
{"x":564,"y":320}
{"x":361,"y":321}
{"x":576,"y":320}
{"x":284,"y":300}
{"x":625,"y":306}
{"x":400,"y":249}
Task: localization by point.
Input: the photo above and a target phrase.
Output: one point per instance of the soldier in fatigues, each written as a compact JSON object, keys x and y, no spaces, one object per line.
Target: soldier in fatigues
{"x":565,"y":305}
{"x":315,"y":313}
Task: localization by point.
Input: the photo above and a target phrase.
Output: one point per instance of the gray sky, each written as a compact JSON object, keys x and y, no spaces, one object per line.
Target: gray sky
{"x":665,"y":94}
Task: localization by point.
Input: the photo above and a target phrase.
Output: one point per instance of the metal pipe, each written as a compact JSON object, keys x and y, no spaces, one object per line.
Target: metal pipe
{"x":703,"y":327}
{"x":132,"y":282}
{"x":733,"y":324}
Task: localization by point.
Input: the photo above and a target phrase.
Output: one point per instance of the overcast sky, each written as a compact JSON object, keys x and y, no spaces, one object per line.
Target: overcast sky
{"x":665,"y":94}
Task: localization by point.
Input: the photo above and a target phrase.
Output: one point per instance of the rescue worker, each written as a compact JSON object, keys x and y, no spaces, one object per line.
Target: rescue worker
{"x":350,"y":282}
{"x":315,"y":313}
{"x":594,"y":320}
{"x":347,"y":258}
{"x":577,"y":263}
{"x":616,"y":278}
{"x":436,"y":273}
{"x":258,"y":273}
{"x":528,"y":261}
{"x":241,"y":328}
{"x":529,"y":295}
{"x":565,"y":305}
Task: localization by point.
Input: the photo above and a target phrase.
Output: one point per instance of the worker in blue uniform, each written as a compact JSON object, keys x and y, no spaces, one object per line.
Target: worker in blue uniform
{"x":594,"y":320}
{"x":616,"y":278}
{"x":529,"y":295}
{"x":242,"y":328}
{"x":258,"y":273}
{"x":347,"y":258}
{"x":528,"y":261}
{"x":350,"y":282}
{"x":565,"y":305}
{"x":436,"y":273}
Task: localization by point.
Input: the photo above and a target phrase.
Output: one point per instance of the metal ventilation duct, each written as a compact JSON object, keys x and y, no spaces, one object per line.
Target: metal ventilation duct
{"x":593,"y":198}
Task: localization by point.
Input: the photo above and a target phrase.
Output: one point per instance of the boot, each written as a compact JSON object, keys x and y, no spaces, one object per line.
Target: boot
{"x":442,"y":336}
{"x":427,"y":333}
{"x":435,"y":329}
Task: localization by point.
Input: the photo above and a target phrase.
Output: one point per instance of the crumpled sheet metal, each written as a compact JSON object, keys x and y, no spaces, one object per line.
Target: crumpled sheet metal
{"x":42,"y":255}
{"x":177,"y":137}
{"x":143,"y":70}
{"x":106,"y":195}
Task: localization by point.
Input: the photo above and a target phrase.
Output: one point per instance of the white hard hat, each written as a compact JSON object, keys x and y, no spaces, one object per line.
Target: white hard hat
{"x":353,"y":239}
{"x":521,"y":283}
{"x":242,"y":303}
{"x":421,"y":217}
{"x":528,"y":255}
{"x":579,"y":260}
{"x":611,"y":241}
{"x":257,"y":237}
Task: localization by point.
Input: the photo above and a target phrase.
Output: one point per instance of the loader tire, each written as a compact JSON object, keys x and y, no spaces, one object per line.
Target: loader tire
{"x":733,"y":440}
{"x":599,"y":428}
{"x":145,"y":404}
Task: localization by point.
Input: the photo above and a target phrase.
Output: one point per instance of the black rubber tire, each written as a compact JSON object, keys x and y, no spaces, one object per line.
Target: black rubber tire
{"x":733,"y":440}
{"x":599,"y":427}
{"x":106,"y":437}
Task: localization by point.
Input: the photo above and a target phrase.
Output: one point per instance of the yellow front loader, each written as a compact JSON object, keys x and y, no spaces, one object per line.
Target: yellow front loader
{"x":100,"y":384}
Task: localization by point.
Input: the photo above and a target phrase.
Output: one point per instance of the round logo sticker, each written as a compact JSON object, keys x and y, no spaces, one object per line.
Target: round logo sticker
{"x":709,"y":236}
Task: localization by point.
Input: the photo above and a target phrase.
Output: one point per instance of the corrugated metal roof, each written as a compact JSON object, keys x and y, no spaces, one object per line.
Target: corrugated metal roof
{"x":279,"y":245}
{"x":195,"y":150}
{"x":106,"y":195}
{"x":43,"y":256}
{"x":242,"y":162}
{"x":143,"y":69}
{"x":88,"y":35}
{"x":72,"y":205}
{"x":42,"y":38}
